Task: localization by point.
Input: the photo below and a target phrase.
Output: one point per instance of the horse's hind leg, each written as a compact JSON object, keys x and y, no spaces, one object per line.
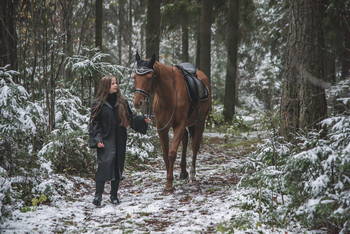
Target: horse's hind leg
{"x":197,"y":137}
{"x":183,"y":163}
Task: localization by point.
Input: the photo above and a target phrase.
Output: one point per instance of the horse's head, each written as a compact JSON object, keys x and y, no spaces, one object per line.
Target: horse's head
{"x":143,"y":80}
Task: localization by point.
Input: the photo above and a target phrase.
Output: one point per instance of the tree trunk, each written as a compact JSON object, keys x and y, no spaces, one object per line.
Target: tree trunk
{"x":130,"y":42}
{"x":142,"y":40}
{"x":198,"y":36}
{"x":35,"y":60}
{"x":52,"y":93}
{"x":184,"y":42}
{"x":231,"y":67}
{"x":98,"y":37}
{"x":153,"y":28}
{"x":67,"y":11}
{"x":345,"y":56}
{"x":120,"y":30}
{"x":303,"y":103}
{"x":46,"y":75}
{"x":329,"y":67}
{"x":8,"y":37}
{"x":205,"y":37}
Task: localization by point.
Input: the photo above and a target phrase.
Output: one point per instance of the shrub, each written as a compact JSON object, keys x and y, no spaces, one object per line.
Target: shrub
{"x":314,"y":176}
{"x":67,"y":145}
{"x":19,"y":127}
{"x":5,"y":191}
{"x":319,"y":178}
{"x":21,"y":130}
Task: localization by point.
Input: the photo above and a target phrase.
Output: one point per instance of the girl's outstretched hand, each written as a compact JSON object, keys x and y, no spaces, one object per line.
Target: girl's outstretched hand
{"x":147,"y":120}
{"x":100,"y":145}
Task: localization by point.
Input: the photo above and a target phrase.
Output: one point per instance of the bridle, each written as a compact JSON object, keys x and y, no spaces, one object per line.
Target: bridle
{"x":144,"y":93}
{"x":141,"y":71}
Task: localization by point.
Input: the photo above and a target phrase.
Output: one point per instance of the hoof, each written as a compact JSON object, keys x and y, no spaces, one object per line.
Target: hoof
{"x":193,"y":181}
{"x":168,"y":189}
{"x":184,"y":176}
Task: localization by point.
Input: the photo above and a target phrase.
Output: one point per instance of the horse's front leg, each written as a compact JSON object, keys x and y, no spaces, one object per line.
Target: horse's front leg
{"x":164,"y":140}
{"x":178,"y":134}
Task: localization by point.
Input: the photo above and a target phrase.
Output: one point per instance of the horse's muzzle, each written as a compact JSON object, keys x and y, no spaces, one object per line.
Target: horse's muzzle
{"x":138,"y":105}
{"x":138,"y":102}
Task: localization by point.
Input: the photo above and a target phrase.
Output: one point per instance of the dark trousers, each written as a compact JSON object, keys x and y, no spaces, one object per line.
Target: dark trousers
{"x":100,"y":185}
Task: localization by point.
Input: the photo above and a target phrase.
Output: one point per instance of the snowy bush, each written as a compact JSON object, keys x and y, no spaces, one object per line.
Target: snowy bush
{"x":264,"y":171}
{"x":5,"y":191}
{"x":265,"y":85}
{"x":319,"y":178}
{"x":91,"y":62}
{"x":339,"y":97}
{"x":21,"y":131}
{"x":314,"y":175}
{"x":67,"y":146}
{"x":20,"y":126}
{"x":140,"y":146}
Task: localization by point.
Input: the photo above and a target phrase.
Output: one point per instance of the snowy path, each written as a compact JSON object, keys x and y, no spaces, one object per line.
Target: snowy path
{"x":144,"y":208}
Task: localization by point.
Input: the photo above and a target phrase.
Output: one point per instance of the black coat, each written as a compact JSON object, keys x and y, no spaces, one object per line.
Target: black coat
{"x":106,"y":128}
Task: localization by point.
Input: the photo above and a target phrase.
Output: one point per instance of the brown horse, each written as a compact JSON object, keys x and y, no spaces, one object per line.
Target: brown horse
{"x":171,"y":107}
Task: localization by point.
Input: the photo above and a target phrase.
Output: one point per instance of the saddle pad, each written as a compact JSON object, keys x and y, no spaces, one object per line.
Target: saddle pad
{"x":189,"y":67}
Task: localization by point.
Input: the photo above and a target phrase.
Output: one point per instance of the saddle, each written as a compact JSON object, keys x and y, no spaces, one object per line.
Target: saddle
{"x":195,"y":87}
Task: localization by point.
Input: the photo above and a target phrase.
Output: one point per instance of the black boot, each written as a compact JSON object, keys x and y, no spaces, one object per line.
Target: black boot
{"x":114,"y":192}
{"x":115,"y":200}
{"x":97,"y":200}
{"x":98,"y":194}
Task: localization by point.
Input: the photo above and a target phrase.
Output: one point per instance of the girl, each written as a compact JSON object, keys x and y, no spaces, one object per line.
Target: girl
{"x":110,"y":116}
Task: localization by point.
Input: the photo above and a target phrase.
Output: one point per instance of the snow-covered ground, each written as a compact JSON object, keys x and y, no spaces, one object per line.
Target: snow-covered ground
{"x":145,"y":208}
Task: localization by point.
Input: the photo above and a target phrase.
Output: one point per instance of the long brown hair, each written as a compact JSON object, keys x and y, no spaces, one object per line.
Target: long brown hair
{"x":101,"y":96}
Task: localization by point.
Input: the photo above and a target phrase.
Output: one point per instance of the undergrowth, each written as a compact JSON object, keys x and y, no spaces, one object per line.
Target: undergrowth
{"x":310,"y":180}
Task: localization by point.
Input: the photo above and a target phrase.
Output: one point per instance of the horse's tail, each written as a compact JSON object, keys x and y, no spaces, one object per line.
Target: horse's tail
{"x":191,"y":131}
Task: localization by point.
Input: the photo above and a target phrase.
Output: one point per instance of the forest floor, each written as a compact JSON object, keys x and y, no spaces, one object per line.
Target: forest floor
{"x":210,"y":205}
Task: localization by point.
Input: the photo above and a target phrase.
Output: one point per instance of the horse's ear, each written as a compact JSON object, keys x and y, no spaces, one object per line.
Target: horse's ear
{"x":137,"y":57}
{"x":152,"y":61}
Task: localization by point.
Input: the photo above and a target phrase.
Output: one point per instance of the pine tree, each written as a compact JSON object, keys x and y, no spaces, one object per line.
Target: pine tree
{"x":303,"y":103}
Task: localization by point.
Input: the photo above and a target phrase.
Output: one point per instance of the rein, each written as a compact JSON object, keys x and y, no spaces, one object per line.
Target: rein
{"x":172,"y":115}
{"x":147,"y":95}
